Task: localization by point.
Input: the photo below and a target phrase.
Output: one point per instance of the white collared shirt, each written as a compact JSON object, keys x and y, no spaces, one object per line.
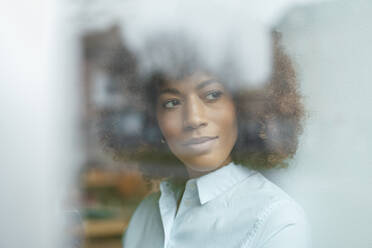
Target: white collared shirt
{"x":231,"y":207}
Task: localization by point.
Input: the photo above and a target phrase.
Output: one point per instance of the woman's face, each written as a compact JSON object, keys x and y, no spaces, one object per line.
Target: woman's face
{"x":197,"y":117}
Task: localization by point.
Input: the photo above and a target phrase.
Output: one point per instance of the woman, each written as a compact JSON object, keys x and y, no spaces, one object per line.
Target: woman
{"x":196,"y":122}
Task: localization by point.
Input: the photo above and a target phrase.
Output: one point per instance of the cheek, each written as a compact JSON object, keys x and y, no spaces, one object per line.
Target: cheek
{"x":169,"y":125}
{"x":226,"y":120}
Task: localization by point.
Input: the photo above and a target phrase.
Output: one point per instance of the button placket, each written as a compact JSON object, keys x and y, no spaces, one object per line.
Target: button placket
{"x":189,"y":198}
{"x":188,"y":201}
{"x":167,"y":205}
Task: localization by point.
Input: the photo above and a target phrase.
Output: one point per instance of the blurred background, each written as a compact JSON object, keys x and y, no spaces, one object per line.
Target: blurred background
{"x":60,"y":188}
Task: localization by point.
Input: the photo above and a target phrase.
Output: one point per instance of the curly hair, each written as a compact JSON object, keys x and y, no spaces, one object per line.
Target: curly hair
{"x":269,"y":122}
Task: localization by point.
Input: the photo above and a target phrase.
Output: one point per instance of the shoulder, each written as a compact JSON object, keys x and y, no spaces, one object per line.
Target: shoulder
{"x":149,"y":202}
{"x":280,"y":220}
{"x":147,"y":207}
{"x":146,"y":212}
{"x":282,"y":225}
{"x":258,"y":190}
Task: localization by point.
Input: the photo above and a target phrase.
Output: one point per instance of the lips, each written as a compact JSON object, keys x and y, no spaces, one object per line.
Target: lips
{"x":199,"y":140}
{"x":199,"y":145}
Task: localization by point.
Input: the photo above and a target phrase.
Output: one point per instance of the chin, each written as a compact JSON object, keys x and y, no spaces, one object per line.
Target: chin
{"x":208,"y":162}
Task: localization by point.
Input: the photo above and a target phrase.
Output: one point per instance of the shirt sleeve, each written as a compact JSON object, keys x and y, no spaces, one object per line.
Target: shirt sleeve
{"x":285,"y":227}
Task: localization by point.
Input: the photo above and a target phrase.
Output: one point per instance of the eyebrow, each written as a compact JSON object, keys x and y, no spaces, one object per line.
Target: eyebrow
{"x":169,"y":90}
{"x":198,"y":87}
{"x":205,"y":83}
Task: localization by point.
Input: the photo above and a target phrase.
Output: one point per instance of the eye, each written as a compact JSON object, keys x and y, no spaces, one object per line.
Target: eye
{"x":214,"y":95}
{"x":172,"y":103}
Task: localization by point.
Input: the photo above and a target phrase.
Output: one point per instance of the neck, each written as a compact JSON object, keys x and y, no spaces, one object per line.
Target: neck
{"x":197,"y":173}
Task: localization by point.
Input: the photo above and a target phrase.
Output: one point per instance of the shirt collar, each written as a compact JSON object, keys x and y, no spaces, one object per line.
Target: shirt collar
{"x":219,"y":181}
{"x":210,"y":185}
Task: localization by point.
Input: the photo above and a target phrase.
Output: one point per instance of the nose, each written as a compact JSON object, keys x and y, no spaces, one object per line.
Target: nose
{"x":194,"y":114}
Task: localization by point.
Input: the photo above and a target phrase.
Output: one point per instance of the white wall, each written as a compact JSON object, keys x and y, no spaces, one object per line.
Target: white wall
{"x":38,"y":113}
{"x":332,"y":172}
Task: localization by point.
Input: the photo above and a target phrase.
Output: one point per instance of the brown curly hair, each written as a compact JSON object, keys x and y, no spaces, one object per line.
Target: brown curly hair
{"x":269,"y":122}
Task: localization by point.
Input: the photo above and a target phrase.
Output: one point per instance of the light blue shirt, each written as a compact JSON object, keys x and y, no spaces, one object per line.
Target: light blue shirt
{"x":232,"y":207}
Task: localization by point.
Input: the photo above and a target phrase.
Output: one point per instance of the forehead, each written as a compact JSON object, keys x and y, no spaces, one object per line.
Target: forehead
{"x":195,"y":81}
